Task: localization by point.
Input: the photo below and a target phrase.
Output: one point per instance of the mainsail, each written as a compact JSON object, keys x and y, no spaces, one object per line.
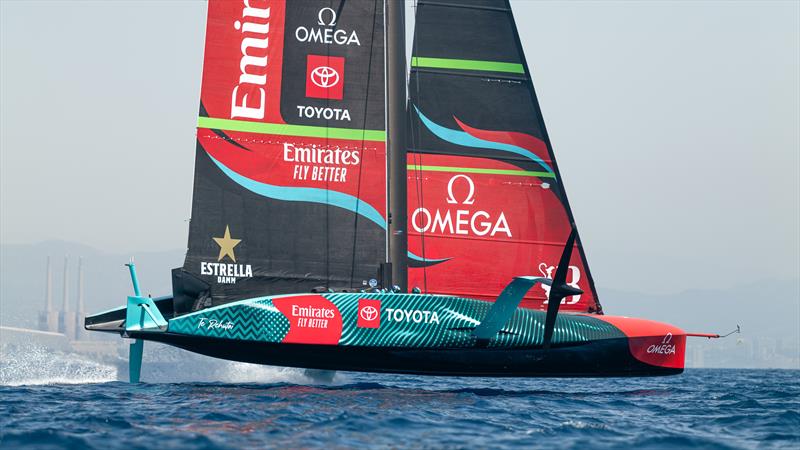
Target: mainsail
{"x":485,"y":198}
{"x":289,"y":186}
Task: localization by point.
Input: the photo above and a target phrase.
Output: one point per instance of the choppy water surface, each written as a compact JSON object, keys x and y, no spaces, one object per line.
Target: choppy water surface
{"x":257,"y":407}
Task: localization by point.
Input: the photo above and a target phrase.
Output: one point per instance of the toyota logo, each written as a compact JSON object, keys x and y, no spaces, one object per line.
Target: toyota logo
{"x":369,"y":313}
{"x":325,"y":77}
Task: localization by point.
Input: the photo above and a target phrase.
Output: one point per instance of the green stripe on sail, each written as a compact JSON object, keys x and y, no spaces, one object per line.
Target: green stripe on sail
{"x":518,"y":173}
{"x":467,"y":64}
{"x":291,"y":130}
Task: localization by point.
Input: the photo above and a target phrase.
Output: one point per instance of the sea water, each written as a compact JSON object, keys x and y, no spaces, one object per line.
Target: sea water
{"x":51,"y":400}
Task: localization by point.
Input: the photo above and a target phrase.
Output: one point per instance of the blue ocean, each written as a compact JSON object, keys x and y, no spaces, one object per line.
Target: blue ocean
{"x":82,"y":406}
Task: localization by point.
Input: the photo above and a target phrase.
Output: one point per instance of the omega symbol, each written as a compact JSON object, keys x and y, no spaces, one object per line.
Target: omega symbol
{"x":321,"y":17}
{"x":470,"y":195}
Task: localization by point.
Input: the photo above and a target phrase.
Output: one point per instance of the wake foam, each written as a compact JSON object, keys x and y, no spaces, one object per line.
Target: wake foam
{"x":37,"y":365}
{"x":235,"y":372}
{"x":166,"y":364}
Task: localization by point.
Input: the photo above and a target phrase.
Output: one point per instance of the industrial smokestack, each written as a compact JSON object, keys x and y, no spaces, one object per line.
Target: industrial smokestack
{"x":80,"y":286}
{"x":48,"y":294}
{"x":65,"y":303}
{"x":48,"y":319}
{"x":66,"y":322}
{"x":80,"y":310}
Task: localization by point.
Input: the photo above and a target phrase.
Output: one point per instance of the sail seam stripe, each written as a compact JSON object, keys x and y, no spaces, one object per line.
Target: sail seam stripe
{"x":290,"y":130}
{"x":496,"y":240}
{"x":476,"y":74}
{"x":456,"y":5}
{"x":467,"y":64}
{"x":519,"y":173}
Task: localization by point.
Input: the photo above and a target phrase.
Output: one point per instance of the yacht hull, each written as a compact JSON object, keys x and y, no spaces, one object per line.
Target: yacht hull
{"x":605,"y":358}
{"x":410,"y":334}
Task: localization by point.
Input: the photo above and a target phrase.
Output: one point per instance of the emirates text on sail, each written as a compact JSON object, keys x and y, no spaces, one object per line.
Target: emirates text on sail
{"x":321,"y":163}
{"x":255,"y":30}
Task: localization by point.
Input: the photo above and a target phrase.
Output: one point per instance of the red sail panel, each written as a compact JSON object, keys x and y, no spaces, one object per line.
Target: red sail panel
{"x":243,"y":60}
{"x":349,"y":167}
{"x":479,"y":222}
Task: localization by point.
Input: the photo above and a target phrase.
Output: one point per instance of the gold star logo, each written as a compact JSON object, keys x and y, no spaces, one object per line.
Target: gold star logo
{"x":226,"y":245}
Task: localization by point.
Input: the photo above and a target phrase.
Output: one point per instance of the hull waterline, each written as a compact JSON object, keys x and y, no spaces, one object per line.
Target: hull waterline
{"x":608,"y":358}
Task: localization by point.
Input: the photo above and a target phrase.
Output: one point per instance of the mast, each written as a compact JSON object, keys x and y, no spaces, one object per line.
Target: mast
{"x":396,"y":142}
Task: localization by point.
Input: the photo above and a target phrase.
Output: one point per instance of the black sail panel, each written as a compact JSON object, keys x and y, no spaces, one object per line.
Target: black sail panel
{"x":486,"y":200}
{"x":289,"y":187}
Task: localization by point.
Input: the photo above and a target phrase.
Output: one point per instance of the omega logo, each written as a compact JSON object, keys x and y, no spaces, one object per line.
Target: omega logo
{"x":321,"y":17}
{"x":666,"y":347}
{"x":460,"y":221}
{"x":470,"y":195}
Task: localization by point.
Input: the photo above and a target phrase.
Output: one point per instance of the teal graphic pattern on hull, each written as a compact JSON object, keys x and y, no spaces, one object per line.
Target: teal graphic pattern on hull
{"x":405,"y":320}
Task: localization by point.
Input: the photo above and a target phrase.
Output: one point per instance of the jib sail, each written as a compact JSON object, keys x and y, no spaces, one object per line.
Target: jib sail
{"x":486,"y":201}
{"x":289,"y":186}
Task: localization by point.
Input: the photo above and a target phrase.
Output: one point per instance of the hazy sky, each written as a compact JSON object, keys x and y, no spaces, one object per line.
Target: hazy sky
{"x":675,"y":125}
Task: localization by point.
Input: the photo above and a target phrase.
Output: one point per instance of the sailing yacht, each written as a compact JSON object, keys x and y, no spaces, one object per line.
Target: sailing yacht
{"x":355,"y":212}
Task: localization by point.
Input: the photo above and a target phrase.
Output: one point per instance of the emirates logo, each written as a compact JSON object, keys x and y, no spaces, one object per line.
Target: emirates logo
{"x":325,"y":77}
